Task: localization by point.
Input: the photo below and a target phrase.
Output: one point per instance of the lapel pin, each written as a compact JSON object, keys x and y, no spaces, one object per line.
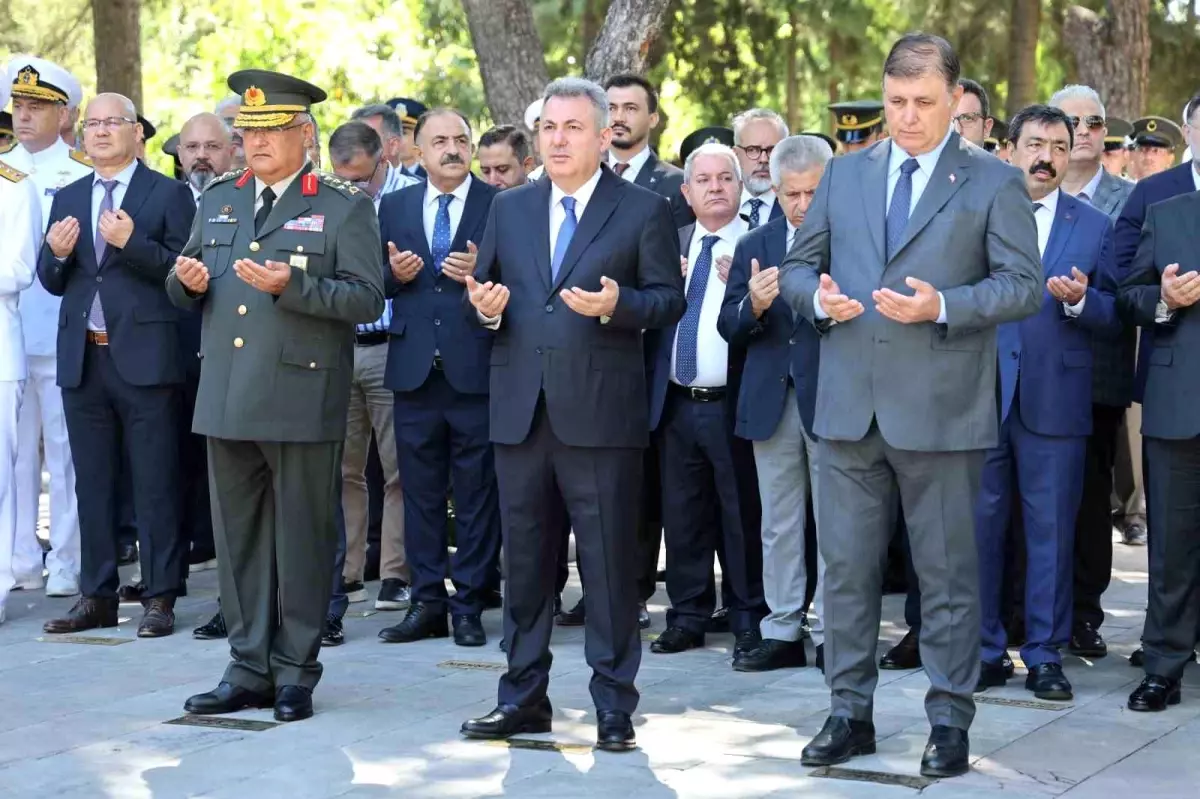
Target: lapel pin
{"x":952,"y":178}
{"x":227,"y":209}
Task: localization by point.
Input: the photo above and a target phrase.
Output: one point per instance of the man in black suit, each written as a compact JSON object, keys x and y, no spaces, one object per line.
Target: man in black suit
{"x":437,"y":365}
{"x":571,"y":270}
{"x":1159,"y":291}
{"x":112,"y":240}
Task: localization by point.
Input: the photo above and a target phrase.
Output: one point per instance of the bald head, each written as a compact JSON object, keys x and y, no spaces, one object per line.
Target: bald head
{"x":111,"y":132}
{"x":205,"y":149}
{"x":110,"y":100}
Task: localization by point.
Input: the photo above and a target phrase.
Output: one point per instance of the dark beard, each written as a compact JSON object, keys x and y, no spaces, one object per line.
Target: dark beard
{"x":627,"y":145}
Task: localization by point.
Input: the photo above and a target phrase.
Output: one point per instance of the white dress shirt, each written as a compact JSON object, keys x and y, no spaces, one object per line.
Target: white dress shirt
{"x":1044,"y":217}
{"x":764,"y":213}
{"x":195,"y":194}
{"x":429,"y":210}
{"x":279,"y":188}
{"x":123,"y":177}
{"x":1088,"y":192}
{"x":635,"y":164}
{"x":21,"y":221}
{"x":712,"y":351}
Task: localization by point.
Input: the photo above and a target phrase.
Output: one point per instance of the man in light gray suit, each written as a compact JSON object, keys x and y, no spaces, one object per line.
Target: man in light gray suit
{"x":906,"y":397}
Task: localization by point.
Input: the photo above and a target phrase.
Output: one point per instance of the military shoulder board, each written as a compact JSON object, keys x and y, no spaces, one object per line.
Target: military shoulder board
{"x":330,"y":179}
{"x":9,"y":173}
{"x":8,"y":148}
{"x":81,"y":157}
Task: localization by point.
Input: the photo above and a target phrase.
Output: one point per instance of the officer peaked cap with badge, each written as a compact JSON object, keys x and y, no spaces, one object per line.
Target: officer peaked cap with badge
{"x":39,"y":79}
{"x":855,"y":120}
{"x":1157,"y":132}
{"x":1119,"y":133}
{"x":710,"y":135}
{"x":407,"y":109}
{"x":271,"y":99}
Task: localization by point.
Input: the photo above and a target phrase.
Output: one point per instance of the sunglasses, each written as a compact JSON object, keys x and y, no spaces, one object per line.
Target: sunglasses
{"x":1093,"y":122}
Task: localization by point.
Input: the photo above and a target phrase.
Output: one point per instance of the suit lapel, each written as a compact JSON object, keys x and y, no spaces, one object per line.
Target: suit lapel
{"x":949,"y":175}
{"x":539,"y":216}
{"x":648,"y":176}
{"x":87,"y":234}
{"x":473,"y":210}
{"x":776,"y":246}
{"x":292,"y":204}
{"x":874,"y":194}
{"x":137,"y":191}
{"x":685,"y":238}
{"x":599,"y":209}
{"x":1060,"y":231}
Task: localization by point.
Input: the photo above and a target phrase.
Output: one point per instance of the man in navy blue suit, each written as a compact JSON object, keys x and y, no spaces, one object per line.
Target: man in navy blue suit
{"x":571,"y":270}
{"x":113,"y":238}
{"x":775,"y":407}
{"x":1046,"y":410}
{"x":437,"y":366}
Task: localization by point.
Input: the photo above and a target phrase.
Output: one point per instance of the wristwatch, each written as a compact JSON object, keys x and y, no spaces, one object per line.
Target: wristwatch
{"x":1162,"y":313}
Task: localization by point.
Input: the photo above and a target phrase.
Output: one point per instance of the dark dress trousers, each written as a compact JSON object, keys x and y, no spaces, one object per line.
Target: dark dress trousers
{"x":272,"y":400}
{"x":123,"y":394}
{"x":437,"y":365}
{"x":1170,"y":234}
{"x":569,"y":417}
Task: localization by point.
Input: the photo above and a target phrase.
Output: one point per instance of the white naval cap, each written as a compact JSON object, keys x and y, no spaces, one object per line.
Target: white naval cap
{"x":5,"y":89}
{"x":39,"y":79}
{"x":533,"y":113}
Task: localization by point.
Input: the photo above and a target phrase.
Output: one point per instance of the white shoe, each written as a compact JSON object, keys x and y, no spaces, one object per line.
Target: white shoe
{"x":203,"y":566}
{"x":61,"y":584}
{"x":30,"y":582}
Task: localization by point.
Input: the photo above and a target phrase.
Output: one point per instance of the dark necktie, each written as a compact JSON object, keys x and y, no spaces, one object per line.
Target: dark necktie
{"x":755,"y":207}
{"x":96,"y":312}
{"x":687,"y":338}
{"x":268,"y":202}
{"x":441,"y":232}
{"x":898,"y":211}
{"x":620,"y":168}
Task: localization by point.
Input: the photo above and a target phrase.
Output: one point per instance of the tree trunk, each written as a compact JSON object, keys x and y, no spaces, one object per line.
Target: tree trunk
{"x":589,"y":27}
{"x":117,"y":29}
{"x":510,"y":55}
{"x":630,"y":28}
{"x":1022,"y":54}
{"x":793,"y":84}
{"x":1112,"y":53}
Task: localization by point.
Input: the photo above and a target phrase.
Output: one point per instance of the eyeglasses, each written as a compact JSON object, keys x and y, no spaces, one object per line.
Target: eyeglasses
{"x":1093,"y":122}
{"x":755,"y":152}
{"x":365,"y":185}
{"x":193,"y":148}
{"x":969,"y":118}
{"x":108,"y":123}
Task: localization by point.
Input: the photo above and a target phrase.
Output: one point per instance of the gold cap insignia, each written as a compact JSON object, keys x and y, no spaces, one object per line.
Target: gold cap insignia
{"x":849,"y":119}
{"x":254,"y":97}
{"x":712,"y":140}
{"x":27,"y":77}
{"x":1152,"y":126}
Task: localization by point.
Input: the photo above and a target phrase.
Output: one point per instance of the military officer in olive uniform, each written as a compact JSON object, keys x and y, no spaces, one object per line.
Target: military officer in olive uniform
{"x":283,"y":261}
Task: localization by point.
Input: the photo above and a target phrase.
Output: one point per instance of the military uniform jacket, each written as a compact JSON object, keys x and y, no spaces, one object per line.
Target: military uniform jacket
{"x":279,"y":368}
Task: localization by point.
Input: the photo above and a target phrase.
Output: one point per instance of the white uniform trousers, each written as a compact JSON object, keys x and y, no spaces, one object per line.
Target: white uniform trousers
{"x":10,"y":403}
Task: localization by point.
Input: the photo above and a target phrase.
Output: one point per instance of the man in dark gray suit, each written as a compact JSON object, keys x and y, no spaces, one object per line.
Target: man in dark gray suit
{"x":906,"y":397}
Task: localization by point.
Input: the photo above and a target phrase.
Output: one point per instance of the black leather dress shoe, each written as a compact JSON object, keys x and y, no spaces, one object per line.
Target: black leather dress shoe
{"x":213,"y":629}
{"x":904,"y":655}
{"x":226,"y":698}
{"x":676,"y":639}
{"x":614,"y":731}
{"x":508,"y":720}
{"x":948,"y":753}
{"x":820,"y":662}
{"x":773,"y":654}
{"x":643,"y":616}
{"x":422,"y":621}
{"x":1155,"y":694}
{"x":1047,"y":681}
{"x":575,"y":617}
{"x":1086,"y":642}
{"x":719,"y":621}
{"x":293,"y":703}
{"x":334,"y":633}
{"x":1010,"y":668}
{"x":747,"y":642}
{"x":127,"y":554}
{"x":991,"y":675}
{"x":838,"y":741}
{"x":468,"y":631}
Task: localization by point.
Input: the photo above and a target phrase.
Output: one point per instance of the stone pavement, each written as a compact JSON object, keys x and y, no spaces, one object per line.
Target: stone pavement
{"x":87,"y":721}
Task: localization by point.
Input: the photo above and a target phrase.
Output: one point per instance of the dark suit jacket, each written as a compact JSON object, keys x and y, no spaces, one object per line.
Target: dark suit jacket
{"x":590,"y":372}
{"x":1170,"y":234}
{"x":142,"y":324}
{"x":666,"y":179}
{"x":1154,"y":189}
{"x":1052,"y":351}
{"x":777,"y":343}
{"x":428,"y":313}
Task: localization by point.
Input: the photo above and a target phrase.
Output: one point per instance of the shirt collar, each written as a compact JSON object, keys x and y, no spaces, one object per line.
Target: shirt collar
{"x":1093,"y":185}
{"x":925,"y":162}
{"x":582,"y":195}
{"x":460,"y":193}
{"x":1196,"y":174}
{"x":729,"y":234}
{"x":122,"y":178}
{"x":1050,"y":202}
{"x":635,"y":163}
{"x":60,"y":149}
{"x":280,"y":187}
{"x":768,"y":197}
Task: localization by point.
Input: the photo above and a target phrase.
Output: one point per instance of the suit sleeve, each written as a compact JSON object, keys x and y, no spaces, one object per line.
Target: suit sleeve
{"x":21,"y":221}
{"x":1128,"y":229}
{"x":680,"y":210}
{"x":153,"y":260}
{"x":657,"y":300}
{"x":355,"y":293}
{"x":52,"y":272}
{"x":179,"y":296}
{"x":801,"y":270}
{"x":737,"y":323}
{"x":1141,"y":283}
{"x":387,"y":211}
{"x":1013,"y":289}
{"x":1099,"y":313}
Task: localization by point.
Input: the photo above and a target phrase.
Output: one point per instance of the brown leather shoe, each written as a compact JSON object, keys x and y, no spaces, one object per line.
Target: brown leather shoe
{"x":159,"y":619}
{"x":87,"y":613}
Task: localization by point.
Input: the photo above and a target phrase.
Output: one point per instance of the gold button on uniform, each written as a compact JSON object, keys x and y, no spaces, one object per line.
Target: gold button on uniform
{"x":242,"y":310}
{"x":299,"y":249}
{"x":312,"y":365}
{"x":237,"y":342}
{"x":255,"y":246}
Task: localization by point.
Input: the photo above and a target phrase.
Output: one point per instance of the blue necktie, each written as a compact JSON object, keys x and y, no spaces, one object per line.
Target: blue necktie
{"x":755,"y":206}
{"x":687,"y":335}
{"x":441,"y":232}
{"x":96,"y":312}
{"x":564,"y":237}
{"x":898,"y":211}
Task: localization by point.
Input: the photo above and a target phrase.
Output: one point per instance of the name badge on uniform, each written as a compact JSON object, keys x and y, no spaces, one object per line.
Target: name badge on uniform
{"x":299,"y":261}
{"x":310,"y":224}
{"x":223,"y":219}
{"x":50,"y":192}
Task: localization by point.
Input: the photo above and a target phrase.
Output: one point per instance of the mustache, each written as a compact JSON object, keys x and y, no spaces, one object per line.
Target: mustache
{"x":202,"y":164}
{"x":1044,"y":165}
{"x":451,"y":158}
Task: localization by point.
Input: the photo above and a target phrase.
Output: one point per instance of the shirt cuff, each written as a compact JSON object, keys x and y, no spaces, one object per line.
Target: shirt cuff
{"x":941,"y":320}
{"x":818,"y":312}
{"x":490,"y":322}
{"x":1076,"y":309}
{"x":1162,"y":314}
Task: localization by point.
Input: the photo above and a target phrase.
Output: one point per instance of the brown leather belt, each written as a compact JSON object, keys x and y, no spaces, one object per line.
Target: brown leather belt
{"x":99,"y":337}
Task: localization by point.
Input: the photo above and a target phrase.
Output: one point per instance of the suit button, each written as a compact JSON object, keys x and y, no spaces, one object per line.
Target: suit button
{"x":437,"y":322}
{"x":99,"y":278}
{"x":242,"y":310}
{"x":212,"y":243}
{"x":437,"y":289}
{"x":783,"y":379}
{"x":237,"y":342}
{"x":549,"y":309}
{"x":791,"y":341}
{"x":538,"y":350}
{"x":255,"y":246}
{"x":301,"y":249}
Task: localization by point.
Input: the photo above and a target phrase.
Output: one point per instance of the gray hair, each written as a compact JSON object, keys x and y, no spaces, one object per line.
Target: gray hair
{"x":352,"y":138}
{"x":391,"y":120}
{"x":711,"y":148}
{"x":741,"y":120}
{"x":580,"y":87}
{"x":1077,"y":92}
{"x":798,"y":154}
{"x":127,"y":106}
